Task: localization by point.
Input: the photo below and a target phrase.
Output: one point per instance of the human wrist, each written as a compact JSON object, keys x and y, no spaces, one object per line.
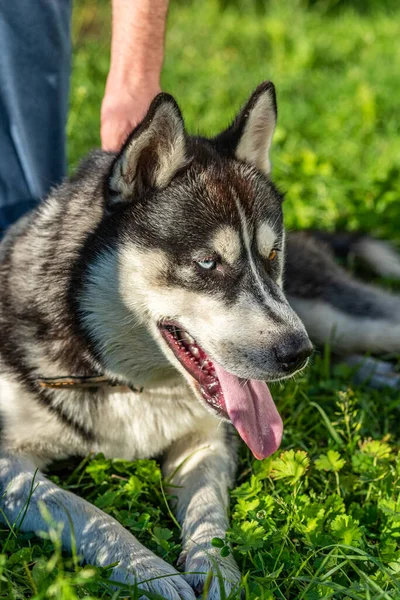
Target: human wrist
{"x":132,"y":79}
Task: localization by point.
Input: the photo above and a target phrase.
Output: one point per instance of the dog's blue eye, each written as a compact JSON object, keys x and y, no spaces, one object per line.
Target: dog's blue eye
{"x":208,"y":264}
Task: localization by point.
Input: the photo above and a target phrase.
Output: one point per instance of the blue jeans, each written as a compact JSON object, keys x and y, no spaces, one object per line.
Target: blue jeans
{"x":35,"y":56}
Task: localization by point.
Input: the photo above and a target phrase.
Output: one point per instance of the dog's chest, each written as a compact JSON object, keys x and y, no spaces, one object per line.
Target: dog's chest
{"x":130,"y":425}
{"x":119,"y":424}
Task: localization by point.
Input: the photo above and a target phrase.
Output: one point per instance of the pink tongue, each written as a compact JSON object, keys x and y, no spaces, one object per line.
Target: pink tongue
{"x":252,"y":411}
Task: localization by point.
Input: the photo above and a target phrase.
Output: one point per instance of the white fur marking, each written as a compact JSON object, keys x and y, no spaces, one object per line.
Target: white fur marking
{"x":281,"y":307}
{"x":227,"y":243}
{"x":247,"y":244}
{"x":266,"y":238}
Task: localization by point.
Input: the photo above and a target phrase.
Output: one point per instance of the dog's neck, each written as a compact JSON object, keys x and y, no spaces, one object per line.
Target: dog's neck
{"x":122,"y":339}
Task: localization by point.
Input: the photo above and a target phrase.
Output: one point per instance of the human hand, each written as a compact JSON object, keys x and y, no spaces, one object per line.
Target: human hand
{"x":122,"y":109}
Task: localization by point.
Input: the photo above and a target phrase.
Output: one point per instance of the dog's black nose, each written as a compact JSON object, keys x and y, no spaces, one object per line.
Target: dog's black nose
{"x":293,"y":356}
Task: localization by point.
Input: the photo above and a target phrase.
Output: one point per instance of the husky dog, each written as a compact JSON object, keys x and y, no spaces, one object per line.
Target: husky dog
{"x":141,"y":311}
{"x":354,"y":317}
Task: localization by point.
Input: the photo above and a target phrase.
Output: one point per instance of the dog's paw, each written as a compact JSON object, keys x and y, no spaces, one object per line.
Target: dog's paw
{"x":201,"y":559}
{"x":151,"y":574}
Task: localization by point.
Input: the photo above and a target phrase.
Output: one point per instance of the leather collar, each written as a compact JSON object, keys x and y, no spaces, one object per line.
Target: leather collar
{"x":84,"y":382}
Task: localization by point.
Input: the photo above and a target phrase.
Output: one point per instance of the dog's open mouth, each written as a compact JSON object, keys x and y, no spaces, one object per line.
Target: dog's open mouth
{"x":247,"y":403}
{"x":197,"y":364}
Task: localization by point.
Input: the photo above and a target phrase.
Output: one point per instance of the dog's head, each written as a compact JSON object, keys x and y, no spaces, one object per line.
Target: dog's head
{"x":198,"y":259}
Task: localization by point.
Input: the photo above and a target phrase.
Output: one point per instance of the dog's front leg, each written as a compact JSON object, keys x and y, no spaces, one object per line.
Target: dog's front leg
{"x":99,"y":538}
{"x":199,"y":468}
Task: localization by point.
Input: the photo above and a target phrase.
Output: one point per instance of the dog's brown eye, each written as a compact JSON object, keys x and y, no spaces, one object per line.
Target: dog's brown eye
{"x":273,"y":254}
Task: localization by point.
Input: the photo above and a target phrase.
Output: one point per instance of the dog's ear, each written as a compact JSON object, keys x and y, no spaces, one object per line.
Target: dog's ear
{"x":250,"y":135}
{"x":152,"y":154}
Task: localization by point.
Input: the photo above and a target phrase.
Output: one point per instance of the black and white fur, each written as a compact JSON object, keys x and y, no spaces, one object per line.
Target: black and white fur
{"x":354,"y":317}
{"x":85,"y":280}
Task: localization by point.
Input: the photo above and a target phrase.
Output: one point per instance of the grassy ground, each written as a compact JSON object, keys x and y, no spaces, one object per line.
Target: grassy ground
{"x":322,"y":518}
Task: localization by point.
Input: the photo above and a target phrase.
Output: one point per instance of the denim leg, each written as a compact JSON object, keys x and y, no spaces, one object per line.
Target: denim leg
{"x":35,"y":53}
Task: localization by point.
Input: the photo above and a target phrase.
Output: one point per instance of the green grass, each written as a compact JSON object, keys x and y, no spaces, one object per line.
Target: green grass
{"x":321,"y":519}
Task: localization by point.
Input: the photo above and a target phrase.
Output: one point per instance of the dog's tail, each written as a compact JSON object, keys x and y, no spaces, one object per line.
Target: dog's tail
{"x":379,"y":255}
{"x":353,"y":316}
